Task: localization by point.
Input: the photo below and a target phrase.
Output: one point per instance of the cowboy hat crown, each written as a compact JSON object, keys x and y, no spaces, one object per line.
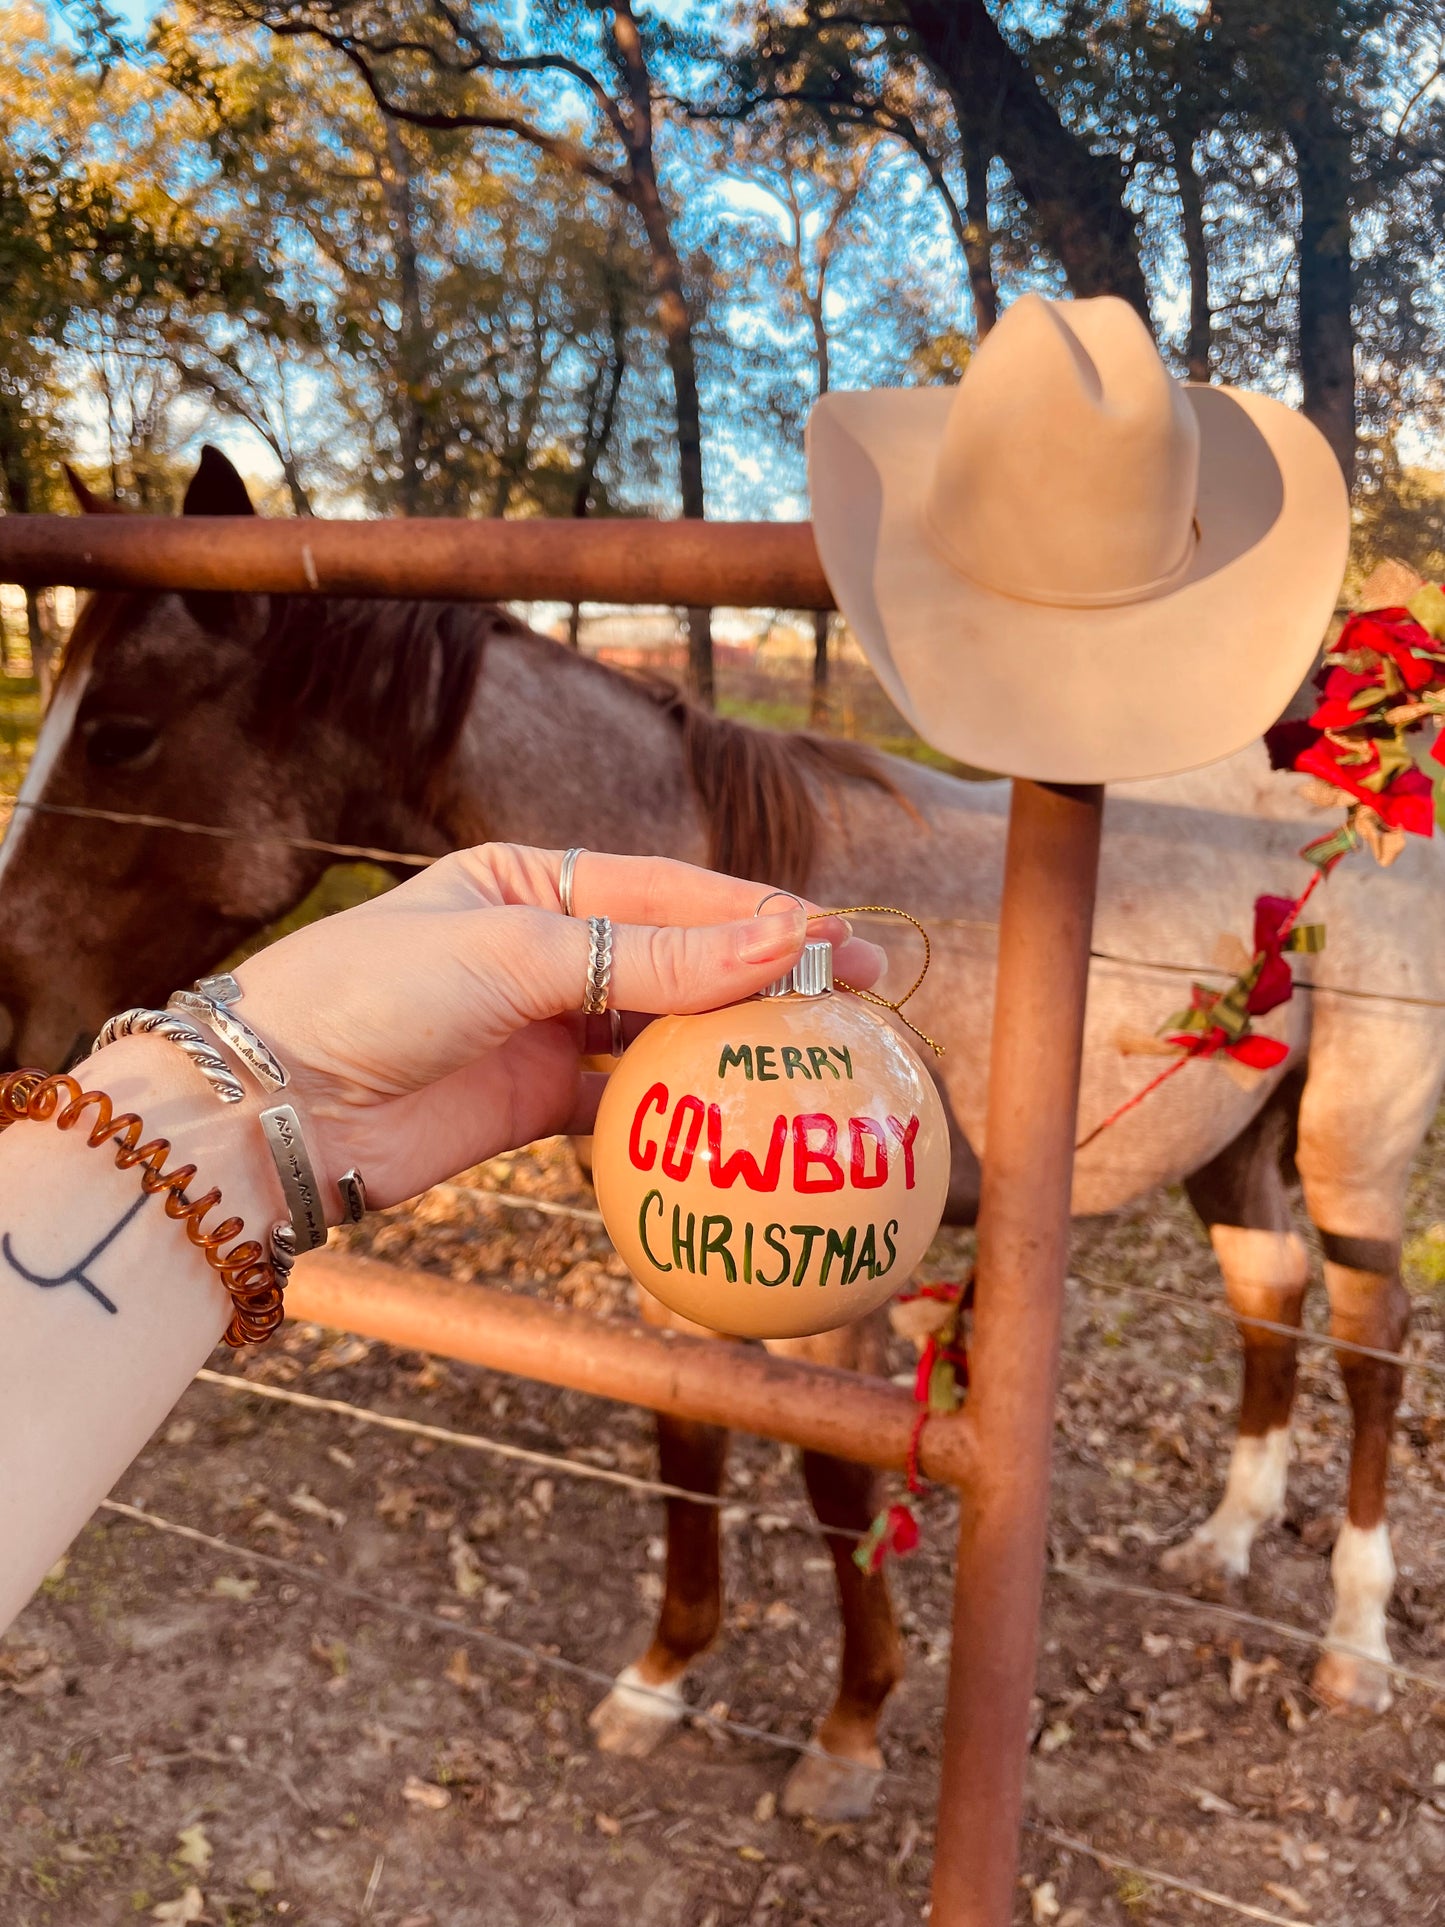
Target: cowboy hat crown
{"x":1109,"y":515}
{"x":1072,"y":566}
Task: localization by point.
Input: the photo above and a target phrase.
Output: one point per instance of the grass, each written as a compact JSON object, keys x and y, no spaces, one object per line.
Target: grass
{"x":19,"y":720}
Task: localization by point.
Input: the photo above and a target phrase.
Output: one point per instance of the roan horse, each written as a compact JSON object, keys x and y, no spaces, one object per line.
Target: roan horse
{"x":424,"y":727}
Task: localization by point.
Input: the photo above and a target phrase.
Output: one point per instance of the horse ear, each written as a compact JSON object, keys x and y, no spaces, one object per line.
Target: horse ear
{"x":216,"y":488}
{"x":86,"y":499}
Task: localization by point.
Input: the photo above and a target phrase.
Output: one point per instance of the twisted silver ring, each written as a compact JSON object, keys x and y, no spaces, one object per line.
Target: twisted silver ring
{"x":564,"y":883}
{"x":599,"y":965}
{"x":258,"y":1057}
{"x":199,"y":1049}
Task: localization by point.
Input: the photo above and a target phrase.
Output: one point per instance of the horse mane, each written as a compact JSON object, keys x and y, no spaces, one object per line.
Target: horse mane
{"x":399,"y":676}
{"x":758,"y":787}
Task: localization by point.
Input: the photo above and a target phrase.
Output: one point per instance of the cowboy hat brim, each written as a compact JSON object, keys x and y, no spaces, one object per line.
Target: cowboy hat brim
{"x":1085,"y":695}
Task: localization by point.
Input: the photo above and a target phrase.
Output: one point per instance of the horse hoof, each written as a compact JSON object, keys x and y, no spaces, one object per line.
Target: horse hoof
{"x":635,"y":1718}
{"x":1202,"y":1563}
{"x":1350,"y":1685}
{"x":832,"y":1789}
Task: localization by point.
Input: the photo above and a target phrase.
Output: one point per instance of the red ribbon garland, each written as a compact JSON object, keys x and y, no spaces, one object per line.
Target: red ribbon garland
{"x":939,"y":1385}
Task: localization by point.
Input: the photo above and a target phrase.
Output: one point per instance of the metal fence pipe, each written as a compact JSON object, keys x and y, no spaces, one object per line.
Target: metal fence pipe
{"x":844,"y":1413}
{"x":700,"y":564}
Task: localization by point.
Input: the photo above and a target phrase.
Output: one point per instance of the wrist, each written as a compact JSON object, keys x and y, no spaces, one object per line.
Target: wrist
{"x":148,"y":1076}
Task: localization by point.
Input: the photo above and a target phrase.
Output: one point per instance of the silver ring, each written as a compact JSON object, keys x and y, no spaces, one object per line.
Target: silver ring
{"x":599,"y":965}
{"x":352,"y":1187}
{"x":564,"y":882}
{"x":258,"y":1057}
{"x":615,"y":1036}
{"x":198,"y":1048}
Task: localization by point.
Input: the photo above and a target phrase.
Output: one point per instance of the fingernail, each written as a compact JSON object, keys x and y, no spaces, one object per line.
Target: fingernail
{"x":770,"y":938}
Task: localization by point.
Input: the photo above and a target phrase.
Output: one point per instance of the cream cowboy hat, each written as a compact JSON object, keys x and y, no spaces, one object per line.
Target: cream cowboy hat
{"x":1072,"y":566}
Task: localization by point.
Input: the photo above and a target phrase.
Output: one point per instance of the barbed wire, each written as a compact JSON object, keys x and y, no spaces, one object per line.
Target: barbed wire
{"x":144,"y":820}
{"x":503,"y":1449}
{"x":519,"y":1650}
{"x":1301,"y":1334}
{"x":1238,"y":1616}
{"x":1243,"y":1908}
{"x":359,"y":852}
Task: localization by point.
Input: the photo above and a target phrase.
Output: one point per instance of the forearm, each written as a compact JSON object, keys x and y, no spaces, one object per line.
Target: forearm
{"x":108,"y":1309}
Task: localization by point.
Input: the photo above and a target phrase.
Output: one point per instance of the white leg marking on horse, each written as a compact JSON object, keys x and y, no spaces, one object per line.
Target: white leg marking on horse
{"x":1254,"y":1496}
{"x":637,"y":1714}
{"x":1363,"y":1571}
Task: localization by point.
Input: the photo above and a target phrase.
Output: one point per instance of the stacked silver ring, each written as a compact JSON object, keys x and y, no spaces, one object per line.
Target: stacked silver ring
{"x":176,"y":1030}
{"x":253,"y":1051}
{"x":599,"y":965}
{"x":565,"y":881}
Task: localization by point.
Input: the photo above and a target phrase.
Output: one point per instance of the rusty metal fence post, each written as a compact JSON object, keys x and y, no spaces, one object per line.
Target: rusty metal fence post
{"x":1028,"y":1156}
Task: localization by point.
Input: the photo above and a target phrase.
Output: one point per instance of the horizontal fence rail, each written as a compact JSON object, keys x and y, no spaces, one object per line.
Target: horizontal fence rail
{"x":700,"y":564}
{"x":824,"y":1410}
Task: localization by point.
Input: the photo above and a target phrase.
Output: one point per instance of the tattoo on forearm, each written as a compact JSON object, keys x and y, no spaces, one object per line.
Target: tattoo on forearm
{"x":78,"y":1273}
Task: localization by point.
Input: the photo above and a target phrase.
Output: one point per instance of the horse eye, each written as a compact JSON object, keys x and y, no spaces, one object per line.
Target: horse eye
{"x":119,"y":742}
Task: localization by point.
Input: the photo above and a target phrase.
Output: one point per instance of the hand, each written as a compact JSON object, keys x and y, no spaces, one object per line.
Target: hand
{"x":440,"y":1024}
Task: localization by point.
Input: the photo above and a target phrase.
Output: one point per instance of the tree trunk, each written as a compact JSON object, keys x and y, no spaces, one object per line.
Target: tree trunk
{"x":1076,"y":197}
{"x":1326,"y":281}
{"x":1199,"y":345}
{"x":978,"y":235}
{"x":42,"y":651}
{"x":818,"y":706}
{"x":673,"y":314}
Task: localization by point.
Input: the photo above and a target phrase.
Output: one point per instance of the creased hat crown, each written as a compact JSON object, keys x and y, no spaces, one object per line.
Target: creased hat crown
{"x":1068,"y":469}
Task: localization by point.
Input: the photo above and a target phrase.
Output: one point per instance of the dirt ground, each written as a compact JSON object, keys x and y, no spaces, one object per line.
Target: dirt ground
{"x":187,"y":1736}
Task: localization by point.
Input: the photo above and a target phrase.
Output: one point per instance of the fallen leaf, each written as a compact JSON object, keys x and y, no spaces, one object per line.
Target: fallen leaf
{"x":1044,"y":1903}
{"x":765,"y":1807}
{"x":1208,"y":1802}
{"x":605,"y":1824}
{"x":1156,"y":1645}
{"x":229,"y":1585}
{"x":1288,"y":1896}
{"x":467,"y":1574}
{"x":261,"y":1882}
{"x":304,"y":1500}
{"x":331,"y":1653}
{"x":1056,"y":1736}
{"x":181,"y":1913}
{"x":1295,"y":1717}
{"x":1341,"y":1807}
{"x":195,"y":1849}
{"x":458,"y":1670}
{"x":1246,"y":1675}
{"x":181,"y":1431}
{"x":751,"y":1853}
{"x":508,"y":1804}
{"x":423,"y":1793}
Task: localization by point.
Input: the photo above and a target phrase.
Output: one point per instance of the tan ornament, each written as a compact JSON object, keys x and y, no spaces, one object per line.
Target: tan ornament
{"x":774,"y":1169}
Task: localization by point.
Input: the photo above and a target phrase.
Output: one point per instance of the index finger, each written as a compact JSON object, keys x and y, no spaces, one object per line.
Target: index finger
{"x":653,"y":890}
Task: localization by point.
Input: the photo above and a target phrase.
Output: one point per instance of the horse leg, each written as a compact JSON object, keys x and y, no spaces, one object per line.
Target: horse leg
{"x":646,"y":1701}
{"x":1354,"y":1184}
{"x":1241,"y":1197}
{"x":845,"y":1497}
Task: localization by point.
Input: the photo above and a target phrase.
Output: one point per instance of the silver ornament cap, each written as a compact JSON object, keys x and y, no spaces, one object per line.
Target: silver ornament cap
{"x":810,"y":976}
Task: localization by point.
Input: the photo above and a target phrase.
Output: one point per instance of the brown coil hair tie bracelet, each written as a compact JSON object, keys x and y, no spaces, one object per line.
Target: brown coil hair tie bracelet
{"x":248,"y":1274}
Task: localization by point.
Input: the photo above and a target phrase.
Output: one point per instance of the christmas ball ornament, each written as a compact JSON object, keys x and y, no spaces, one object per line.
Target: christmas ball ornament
{"x":776,"y":1168}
